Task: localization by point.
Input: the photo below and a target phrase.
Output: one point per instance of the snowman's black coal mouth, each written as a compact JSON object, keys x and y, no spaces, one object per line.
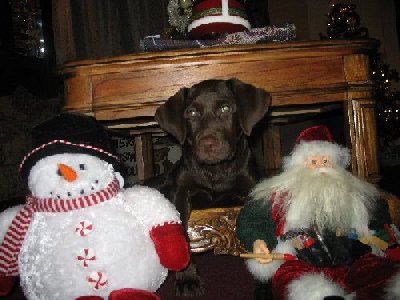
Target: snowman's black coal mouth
{"x":82,"y":192}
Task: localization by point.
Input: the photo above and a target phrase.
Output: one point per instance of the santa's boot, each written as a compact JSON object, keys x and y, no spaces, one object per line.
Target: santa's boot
{"x":315,"y":286}
{"x":132,"y":294}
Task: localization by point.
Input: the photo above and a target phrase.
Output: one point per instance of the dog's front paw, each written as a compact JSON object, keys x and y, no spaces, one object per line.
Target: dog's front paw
{"x":188,"y":283}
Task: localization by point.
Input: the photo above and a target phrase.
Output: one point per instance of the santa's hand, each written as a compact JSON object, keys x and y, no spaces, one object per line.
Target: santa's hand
{"x":260,"y":247}
{"x":171,"y":246}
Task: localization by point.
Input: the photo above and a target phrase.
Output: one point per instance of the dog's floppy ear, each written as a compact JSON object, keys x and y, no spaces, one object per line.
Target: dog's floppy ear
{"x":170,"y":115}
{"x":252,"y":102}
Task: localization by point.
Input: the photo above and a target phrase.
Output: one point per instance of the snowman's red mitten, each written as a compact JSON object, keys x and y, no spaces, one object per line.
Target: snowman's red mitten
{"x":171,"y":245}
{"x":6,"y":284}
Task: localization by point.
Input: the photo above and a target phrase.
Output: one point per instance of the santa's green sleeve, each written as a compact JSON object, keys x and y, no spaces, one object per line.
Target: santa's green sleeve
{"x":255,"y":222}
{"x":380,"y":216}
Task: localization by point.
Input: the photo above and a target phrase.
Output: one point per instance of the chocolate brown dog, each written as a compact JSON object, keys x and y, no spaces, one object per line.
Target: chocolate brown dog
{"x":211,"y":121}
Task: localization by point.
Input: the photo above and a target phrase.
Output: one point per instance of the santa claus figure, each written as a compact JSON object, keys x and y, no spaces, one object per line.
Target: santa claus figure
{"x":327,"y":223}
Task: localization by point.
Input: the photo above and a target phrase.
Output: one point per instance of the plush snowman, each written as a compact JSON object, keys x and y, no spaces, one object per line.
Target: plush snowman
{"x":80,"y":235}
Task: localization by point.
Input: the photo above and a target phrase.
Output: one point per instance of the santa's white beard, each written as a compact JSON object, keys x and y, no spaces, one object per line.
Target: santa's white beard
{"x":330,"y":199}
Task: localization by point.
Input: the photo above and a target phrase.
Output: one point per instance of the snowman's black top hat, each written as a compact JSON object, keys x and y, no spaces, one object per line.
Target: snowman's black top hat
{"x":69,"y":133}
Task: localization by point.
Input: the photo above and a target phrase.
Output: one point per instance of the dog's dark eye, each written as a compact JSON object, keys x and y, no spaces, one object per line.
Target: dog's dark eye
{"x":82,"y":167}
{"x":192,"y":112}
{"x":225,"y":108}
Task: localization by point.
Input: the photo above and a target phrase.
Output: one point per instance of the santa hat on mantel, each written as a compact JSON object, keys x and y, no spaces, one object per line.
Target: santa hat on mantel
{"x":217,"y":17}
{"x":317,"y":140}
{"x":69,"y":133}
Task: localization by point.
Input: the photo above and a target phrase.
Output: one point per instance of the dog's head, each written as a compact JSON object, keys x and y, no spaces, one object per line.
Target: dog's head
{"x":211,"y":116}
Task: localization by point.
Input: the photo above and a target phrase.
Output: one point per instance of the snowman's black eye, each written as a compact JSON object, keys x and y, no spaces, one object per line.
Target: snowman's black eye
{"x":82,"y":166}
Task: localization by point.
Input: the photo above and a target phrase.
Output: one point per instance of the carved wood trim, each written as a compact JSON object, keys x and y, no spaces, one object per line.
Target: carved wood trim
{"x":214,"y":229}
{"x":393,"y":203}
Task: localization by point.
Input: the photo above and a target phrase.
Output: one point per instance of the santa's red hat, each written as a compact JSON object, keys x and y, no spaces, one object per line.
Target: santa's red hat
{"x":317,"y":140}
{"x":315,"y":133}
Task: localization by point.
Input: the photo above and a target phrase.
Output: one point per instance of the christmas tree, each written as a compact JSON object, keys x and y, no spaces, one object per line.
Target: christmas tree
{"x":344,"y":23}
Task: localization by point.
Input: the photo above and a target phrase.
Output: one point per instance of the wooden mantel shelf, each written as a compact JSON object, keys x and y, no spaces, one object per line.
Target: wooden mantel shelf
{"x":343,"y":47}
{"x":126,"y":90}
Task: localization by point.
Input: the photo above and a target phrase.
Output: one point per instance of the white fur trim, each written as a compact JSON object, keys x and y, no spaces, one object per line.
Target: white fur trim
{"x":285,"y":247}
{"x":340,"y":155}
{"x":393,"y":287}
{"x":165,"y":223}
{"x":150,"y":206}
{"x":219,"y":19}
{"x":263,"y":272}
{"x":314,"y":286}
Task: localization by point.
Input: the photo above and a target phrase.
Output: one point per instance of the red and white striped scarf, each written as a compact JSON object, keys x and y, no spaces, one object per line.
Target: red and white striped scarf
{"x":14,"y":237}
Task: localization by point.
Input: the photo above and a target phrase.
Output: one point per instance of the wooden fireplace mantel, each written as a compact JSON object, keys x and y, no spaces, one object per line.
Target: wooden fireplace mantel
{"x":125,"y":91}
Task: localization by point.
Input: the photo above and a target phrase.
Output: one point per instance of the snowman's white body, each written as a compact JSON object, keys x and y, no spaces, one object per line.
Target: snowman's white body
{"x":53,"y":262}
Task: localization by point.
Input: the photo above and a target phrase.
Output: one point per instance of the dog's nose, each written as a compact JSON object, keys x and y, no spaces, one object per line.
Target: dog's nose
{"x":208,"y":142}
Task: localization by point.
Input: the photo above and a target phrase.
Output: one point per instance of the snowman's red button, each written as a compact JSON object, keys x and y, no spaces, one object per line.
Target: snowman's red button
{"x":84,"y":228}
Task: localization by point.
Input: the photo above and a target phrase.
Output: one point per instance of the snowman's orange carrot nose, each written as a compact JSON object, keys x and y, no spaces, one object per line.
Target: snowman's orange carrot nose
{"x":67,"y":172}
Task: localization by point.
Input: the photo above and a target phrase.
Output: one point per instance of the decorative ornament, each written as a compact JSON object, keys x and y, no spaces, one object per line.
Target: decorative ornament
{"x":179,"y":12}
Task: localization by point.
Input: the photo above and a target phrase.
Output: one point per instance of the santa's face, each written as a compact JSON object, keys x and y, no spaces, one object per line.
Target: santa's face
{"x":314,"y":162}
{"x":69,"y":175}
{"x":325,"y":195}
